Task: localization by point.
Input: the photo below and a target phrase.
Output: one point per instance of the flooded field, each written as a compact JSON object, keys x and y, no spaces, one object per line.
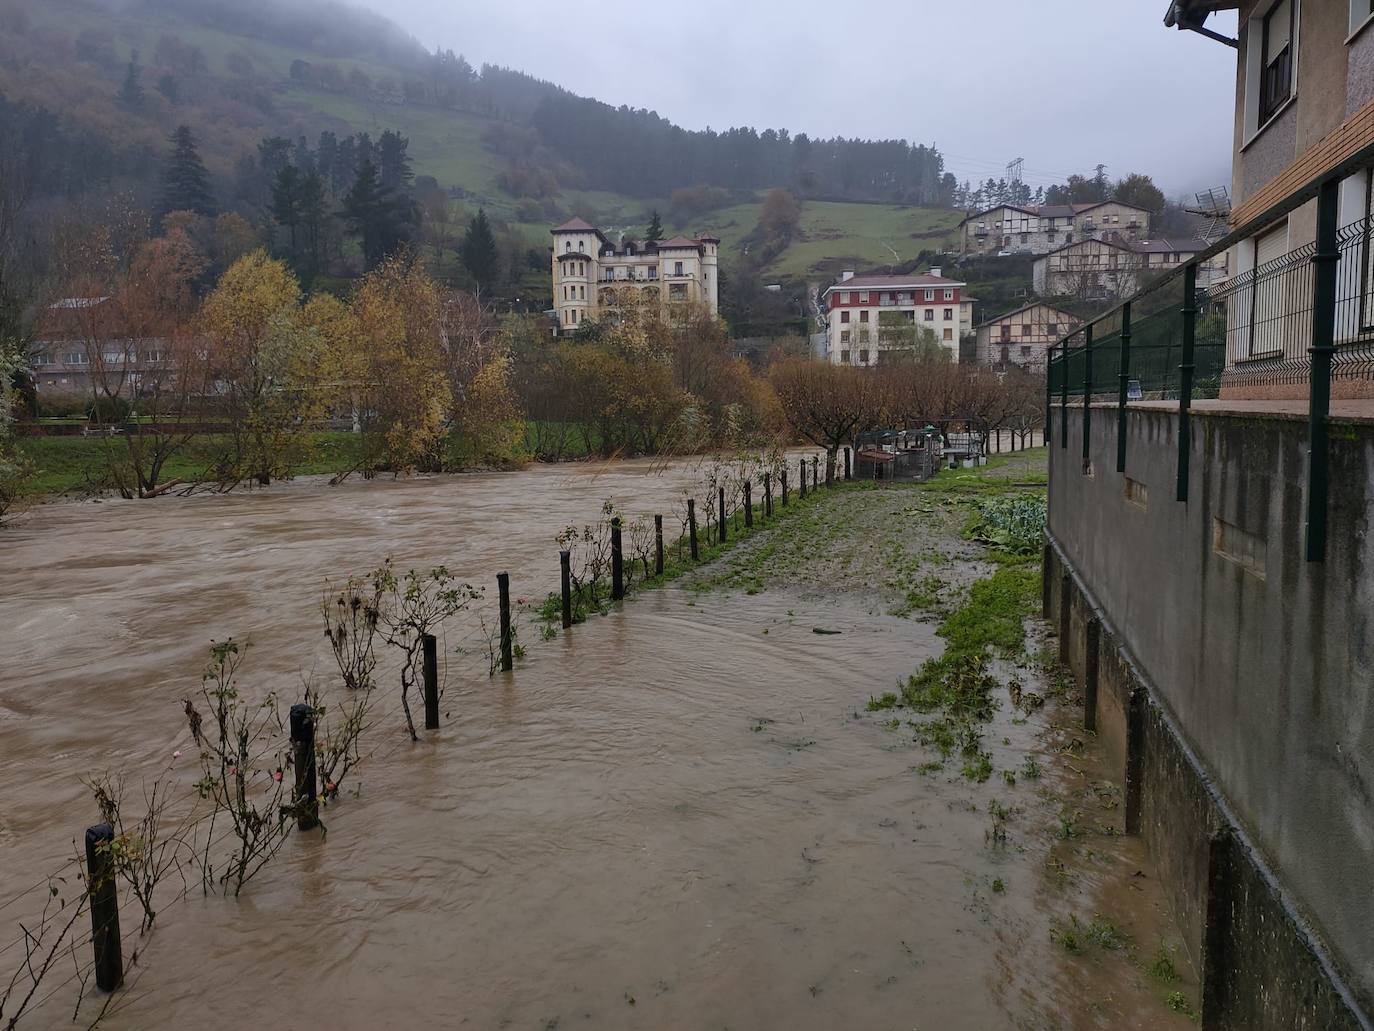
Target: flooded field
{"x":679,"y":815}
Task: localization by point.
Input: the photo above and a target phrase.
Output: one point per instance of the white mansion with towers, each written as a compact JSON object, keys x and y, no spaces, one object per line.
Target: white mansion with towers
{"x":591,"y":274}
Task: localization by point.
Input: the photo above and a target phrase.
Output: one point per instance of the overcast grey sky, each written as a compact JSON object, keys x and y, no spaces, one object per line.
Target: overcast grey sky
{"x":1065,"y":84}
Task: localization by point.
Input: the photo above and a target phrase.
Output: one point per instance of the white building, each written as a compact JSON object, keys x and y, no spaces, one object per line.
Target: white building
{"x":1040,"y":229}
{"x":591,"y":275}
{"x":868,"y":315}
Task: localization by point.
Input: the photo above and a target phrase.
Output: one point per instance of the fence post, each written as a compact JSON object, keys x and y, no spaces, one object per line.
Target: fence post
{"x":1049,"y":392}
{"x":815,"y":473}
{"x":1185,"y":379}
{"x":617,"y":562}
{"x":100,"y":873}
{"x":1064,"y":397}
{"x":305,"y":795}
{"x":723,"y":531}
{"x":748,"y":504}
{"x":430,"y":647}
{"x":1125,"y":370}
{"x":565,"y":570}
{"x":658,"y":545}
{"x":802,"y":470}
{"x":784,"y":486}
{"x":768,"y":495}
{"x":847,"y":477}
{"x":692,"y":525}
{"x":1324,"y":261}
{"x":1087,"y":395}
{"x":507,"y":652}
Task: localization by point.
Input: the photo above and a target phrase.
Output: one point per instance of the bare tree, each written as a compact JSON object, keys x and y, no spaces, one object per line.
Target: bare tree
{"x":827,"y":404}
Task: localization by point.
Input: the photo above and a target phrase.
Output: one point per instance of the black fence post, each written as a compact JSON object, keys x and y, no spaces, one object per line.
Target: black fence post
{"x":815,"y":472}
{"x":1324,"y":263}
{"x":847,"y":477}
{"x":1050,"y":362}
{"x":1123,"y":388}
{"x":768,"y":495}
{"x":430,"y":646}
{"x":507,"y":652}
{"x":1087,"y":395}
{"x":784,"y":486}
{"x":565,"y":570}
{"x":100,"y":873}
{"x":617,"y":562}
{"x":305,"y":795}
{"x":658,"y":545}
{"x":802,"y":469}
{"x":1064,"y":397}
{"x":748,"y":505}
{"x":692,"y":525}
{"x":724,"y":533}
{"x":1185,"y":379}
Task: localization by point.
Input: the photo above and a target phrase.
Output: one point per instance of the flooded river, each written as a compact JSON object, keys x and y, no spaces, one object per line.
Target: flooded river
{"x":675,"y":816}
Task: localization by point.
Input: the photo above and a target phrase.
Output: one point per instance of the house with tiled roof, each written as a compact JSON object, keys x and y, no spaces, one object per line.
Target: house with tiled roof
{"x":1039,"y":229}
{"x":868,"y":317}
{"x":1022,"y":338}
{"x":593,"y":275}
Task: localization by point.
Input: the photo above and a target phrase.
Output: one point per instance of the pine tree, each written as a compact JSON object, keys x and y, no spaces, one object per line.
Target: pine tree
{"x":377,"y":216}
{"x":314,"y":210}
{"x":286,"y":202}
{"x":131,"y":93}
{"x":185,"y":182}
{"x":479,"y":250}
{"x":655,"y":232}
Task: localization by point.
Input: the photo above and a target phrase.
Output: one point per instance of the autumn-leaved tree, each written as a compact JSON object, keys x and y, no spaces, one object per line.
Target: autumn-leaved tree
{"x":268,"y":368}
{"x":827,"y":404}
{"x":404,"y":394}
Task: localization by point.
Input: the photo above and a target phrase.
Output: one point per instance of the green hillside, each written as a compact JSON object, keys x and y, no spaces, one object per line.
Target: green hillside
{"x":444,"y":143}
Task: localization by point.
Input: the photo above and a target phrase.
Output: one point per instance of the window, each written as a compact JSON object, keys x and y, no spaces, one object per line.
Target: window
{"x":78,"y":358}
{"x":583,"y":292}
{"x":863,"y":335}
{"x":567,"y":247}
{"x":844,"y":316}
{"x":949,"y":314}
{"x":1025,"y":351}
{"x":1360,"y":11}
{"x":930,"y":295}
{"x":581,"y":247}
{"x":863,"y":316}
{"x":1268,"y":302}
{"x":863,"y":357}
{"x":1025,"y":237}
{"x":844,"y":357}
{"x":930,"y":314}
{"x":574,"y":316}
{"x":1026,"y":329}
{"x":677,"y":291}
{"x":863,"y":296}
{"x":677,"y":268}
{"x":844,"y":336}
{"x":1053,"y":329}
{"x":40,"y":358}
{"x":949,"y":333}
{"x":844,"y":296}
{"x":949,"y":295}
{"x":1006,"y":331}
{"x":1276,"y":59}
{"x":1052,"y":236}
{"x":653,"y":271}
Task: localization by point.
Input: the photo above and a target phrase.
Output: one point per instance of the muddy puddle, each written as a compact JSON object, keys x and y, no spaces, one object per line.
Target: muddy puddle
{"x":678,"y":815}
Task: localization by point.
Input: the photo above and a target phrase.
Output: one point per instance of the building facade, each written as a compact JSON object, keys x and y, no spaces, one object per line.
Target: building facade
{"x":1114,"y":269}
{"x":1039,"y":229}
{"x":80,"y":345}
{"x":868,"y":316}
{"x":1022,"y":338}
{"x":593,"y":276}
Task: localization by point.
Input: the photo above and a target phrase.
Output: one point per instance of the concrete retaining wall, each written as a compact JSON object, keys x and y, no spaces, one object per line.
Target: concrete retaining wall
{"x":1233,"y":683}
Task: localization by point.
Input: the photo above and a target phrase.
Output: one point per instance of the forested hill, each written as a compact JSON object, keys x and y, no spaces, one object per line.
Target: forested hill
{"x":102,"y":83}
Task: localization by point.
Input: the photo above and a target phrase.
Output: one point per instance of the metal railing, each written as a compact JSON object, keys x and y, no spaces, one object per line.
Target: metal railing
{"x":1305,"y":317}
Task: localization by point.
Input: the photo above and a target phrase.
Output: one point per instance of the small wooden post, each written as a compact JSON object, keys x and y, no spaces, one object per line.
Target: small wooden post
{"x":430,"y":645}
{"x":507,"y":652}
{"x":692,"y":525}
{"x":847,"y":477}
{"x":617,"y":562}
{"x":748,"y":504}
{"x":802,"y":464}
{"x":815,"y":473}
{"x":723,"y":531}
{"x":565,"y":567}
{"x":109,"y":960}
{"x":784,"y":486}
{"x":767,"y":496}
{"x":658,"y":545}
{"x":305,"y":795}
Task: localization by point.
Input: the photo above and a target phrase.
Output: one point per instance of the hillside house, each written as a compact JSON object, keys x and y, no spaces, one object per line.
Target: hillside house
{"x":1046,"y":227}
{"x":1022,"y":338}
{"x":867,"y":316}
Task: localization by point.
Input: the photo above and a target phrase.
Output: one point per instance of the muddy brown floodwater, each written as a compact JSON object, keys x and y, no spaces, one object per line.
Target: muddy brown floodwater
{"x":675,"y":816}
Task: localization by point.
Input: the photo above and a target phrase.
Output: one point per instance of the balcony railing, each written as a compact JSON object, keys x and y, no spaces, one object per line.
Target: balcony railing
{"x":1306,"y":317}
